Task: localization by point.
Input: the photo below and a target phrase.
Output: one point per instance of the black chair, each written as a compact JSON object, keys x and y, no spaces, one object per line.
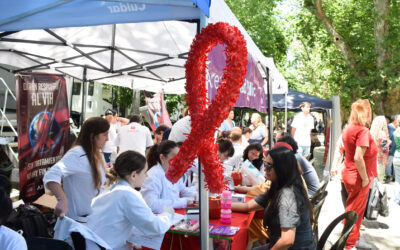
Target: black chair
{"x":80,"y":242}
{"x":41,"y":243}
{"x":316,"y":211}
{"x":351,"y":218}
{"x":321,"y":189}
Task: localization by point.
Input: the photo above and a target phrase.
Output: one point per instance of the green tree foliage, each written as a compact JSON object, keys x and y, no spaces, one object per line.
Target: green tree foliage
{"x":315,"y":62}
{"x":258,"y":18}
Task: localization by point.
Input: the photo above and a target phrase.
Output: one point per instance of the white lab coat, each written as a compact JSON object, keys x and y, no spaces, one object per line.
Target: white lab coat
{"x":11,"y":240}
{"x":158,"y":191}
{"x":234,"y":162}
{"x":77,"y":182}
{"x":120,"y":208}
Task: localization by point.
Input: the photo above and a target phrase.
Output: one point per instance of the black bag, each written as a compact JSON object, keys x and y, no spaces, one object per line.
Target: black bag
{"x":373,"y":202}
{"x":383,"y":204}
{"x":30,"y":220}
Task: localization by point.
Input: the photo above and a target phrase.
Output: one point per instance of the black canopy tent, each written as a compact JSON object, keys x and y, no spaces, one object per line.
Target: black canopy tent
{"x":295,"y":98}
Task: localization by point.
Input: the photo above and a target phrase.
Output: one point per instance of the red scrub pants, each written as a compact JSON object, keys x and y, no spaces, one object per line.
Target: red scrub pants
{"x":357,"y":201}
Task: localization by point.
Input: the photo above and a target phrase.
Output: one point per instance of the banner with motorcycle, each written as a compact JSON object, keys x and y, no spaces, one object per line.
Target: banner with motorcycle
{"x":43,"y":128}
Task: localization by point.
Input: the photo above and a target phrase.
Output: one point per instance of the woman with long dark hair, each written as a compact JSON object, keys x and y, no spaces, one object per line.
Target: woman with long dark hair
{"x":254,"y":153}
{"x":157,"y":190}
{"x":287,"y":210}
{"x":77,"y":178}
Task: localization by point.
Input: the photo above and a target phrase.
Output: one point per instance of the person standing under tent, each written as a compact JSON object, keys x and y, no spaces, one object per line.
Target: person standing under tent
{"x":228,"y":123}
{"x":110,"y":149}
{"x":159,"y":133}
{"x":302,"y":125}
{"x":134,"y":136}
{"x":78,"y":177}
{"x":259,"y":133}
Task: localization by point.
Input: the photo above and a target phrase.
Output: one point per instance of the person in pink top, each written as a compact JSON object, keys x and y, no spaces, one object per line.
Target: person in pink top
{"x":360,"y":164}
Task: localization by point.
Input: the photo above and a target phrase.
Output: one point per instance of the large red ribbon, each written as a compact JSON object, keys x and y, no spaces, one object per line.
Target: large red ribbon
{"x":205,"y":121}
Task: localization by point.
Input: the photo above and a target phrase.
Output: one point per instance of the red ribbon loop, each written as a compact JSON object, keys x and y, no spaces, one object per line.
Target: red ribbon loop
{"x":205,"y":121}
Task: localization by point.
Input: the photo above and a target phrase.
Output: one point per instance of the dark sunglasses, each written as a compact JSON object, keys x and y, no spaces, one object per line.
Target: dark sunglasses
{"x":267,"y":166}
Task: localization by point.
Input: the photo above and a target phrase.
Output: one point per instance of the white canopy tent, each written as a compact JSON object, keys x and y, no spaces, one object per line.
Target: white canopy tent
{"x":147,"y":56}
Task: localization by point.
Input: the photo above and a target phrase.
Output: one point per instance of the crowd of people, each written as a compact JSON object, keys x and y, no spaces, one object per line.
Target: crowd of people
{"x":113,"y":180}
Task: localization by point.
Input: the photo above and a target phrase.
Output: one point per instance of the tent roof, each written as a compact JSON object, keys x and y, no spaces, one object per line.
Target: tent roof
{"x":295,"y":98}
{"x":45,"y":14}
{"x":145,"y":55}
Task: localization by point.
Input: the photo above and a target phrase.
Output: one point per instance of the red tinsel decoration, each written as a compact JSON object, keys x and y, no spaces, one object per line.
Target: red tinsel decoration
{"x":205,"y":121}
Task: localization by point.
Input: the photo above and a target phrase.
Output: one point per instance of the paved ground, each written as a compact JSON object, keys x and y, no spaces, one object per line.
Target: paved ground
{"x":382,"y":234}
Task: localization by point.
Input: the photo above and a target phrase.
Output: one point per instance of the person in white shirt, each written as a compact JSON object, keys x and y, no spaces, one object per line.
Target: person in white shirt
{"x":78,"y":177}
{"x":120,"y":208}
{"x":134,"y":136}
{"x":246,"y":134}
{"x":110,"y":149}
{"x":259,"y":133}
{"x":302,"y":125}
{"x":180,"y":130}
{"x":157,"y":190}
{"x":9,"y":239}
{"x":235,"y":161}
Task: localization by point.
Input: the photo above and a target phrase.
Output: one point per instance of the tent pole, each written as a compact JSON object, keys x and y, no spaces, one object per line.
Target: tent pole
{"x":114,"y":27}
{"x":203,"y":192}
{"x":286,"y":112}
{"x":84,"y":95}
{"x":270,"y":112}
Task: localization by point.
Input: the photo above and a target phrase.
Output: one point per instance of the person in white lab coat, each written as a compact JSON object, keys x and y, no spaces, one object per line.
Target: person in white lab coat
{"x":77,"y":178}
{"x":119,"y":208}
{"x":157,"y":190}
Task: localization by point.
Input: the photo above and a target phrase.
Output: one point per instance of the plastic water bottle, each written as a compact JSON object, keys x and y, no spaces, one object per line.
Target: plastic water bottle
{"x":226,"y":204}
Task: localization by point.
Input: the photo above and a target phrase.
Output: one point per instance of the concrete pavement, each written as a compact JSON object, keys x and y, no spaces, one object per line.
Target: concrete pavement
{"x":382,"y":234}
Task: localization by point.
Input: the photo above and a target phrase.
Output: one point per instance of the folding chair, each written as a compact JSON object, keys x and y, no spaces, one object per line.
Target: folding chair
{"x":316,"y":211}
{"x":351,"y":218}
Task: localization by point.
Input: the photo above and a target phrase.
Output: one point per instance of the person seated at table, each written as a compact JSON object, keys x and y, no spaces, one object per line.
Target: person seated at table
{"x":287,"y":209}
{"x":157,"y":190}
{"x":252,"y":154}
{"x":117,"y":209}
{"x":9,"y":239}
{"x":236,"y":139}
{"x":309,"y":174}
{"x":225,"y":149}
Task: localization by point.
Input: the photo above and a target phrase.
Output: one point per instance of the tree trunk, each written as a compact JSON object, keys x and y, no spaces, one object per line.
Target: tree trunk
{"x":339,"y":41}
{"x":381,"y":30}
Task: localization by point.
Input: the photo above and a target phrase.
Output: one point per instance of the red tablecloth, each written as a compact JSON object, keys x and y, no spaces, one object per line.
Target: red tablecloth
{"x":238,"y":241}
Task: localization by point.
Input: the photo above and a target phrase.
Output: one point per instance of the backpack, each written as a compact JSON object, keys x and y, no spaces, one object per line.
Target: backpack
{"x":30,"y":220}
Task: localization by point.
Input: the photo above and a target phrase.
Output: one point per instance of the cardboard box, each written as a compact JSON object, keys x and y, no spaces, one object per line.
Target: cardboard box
{"x":239,"y":198}
{"x":46,"y":200}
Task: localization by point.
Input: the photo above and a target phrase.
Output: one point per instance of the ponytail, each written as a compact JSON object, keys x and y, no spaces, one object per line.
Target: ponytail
{"x":164,"y":148}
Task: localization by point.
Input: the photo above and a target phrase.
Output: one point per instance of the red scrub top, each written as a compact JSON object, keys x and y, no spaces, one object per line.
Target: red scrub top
{"x":357,"y":135}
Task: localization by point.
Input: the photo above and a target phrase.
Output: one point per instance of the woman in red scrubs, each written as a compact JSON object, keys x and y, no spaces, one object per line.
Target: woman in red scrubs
{"x":360,"y":163}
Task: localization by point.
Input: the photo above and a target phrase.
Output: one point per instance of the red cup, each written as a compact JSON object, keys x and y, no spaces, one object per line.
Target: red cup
{"x":214,"y":208}
{"x":237,"y":178}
